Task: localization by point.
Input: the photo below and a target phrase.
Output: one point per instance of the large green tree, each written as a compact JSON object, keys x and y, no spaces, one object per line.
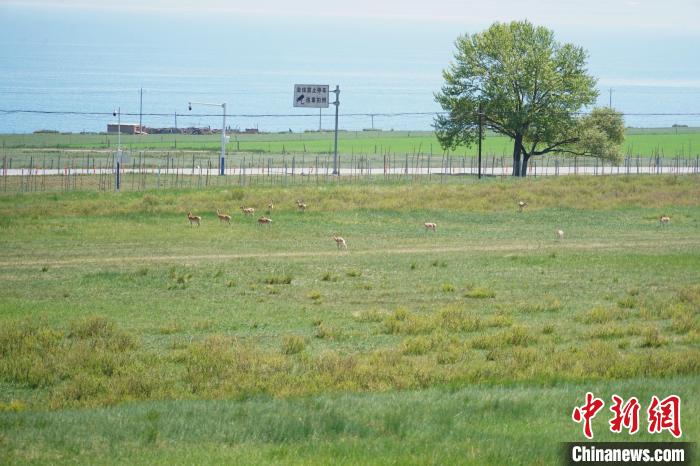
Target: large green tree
{"x":529,"y":87}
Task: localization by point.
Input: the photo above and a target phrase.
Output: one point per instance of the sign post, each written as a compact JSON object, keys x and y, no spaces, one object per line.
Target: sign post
{"x":335,"y":145}
{"x":316,"y":96}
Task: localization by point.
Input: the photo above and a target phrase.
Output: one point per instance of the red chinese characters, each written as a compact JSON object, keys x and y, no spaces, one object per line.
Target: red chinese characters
{"x":587,"y":412}
{"x":626,"y":415}
{"x":665,"y":415}
{"x":661,"y":415}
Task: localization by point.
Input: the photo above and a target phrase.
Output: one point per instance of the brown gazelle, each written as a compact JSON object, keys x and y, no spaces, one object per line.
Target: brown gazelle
{"x":223,"y":217}
{"x":193,"y":218}
{"x":248,"y":210}
{"x":560,"y":234}
{"x":521,"y":205}
{"x":270,"y":206}
{"x":430,"y":226}
{"x":301,"y":206}
{"x":264,"y":221}
{"x":340,"y":242}
{"x":665,"y":220}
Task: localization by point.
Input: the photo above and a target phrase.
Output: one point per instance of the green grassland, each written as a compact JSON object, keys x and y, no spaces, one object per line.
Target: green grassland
{"x":670,"y":142}
{"x":128,"y":336}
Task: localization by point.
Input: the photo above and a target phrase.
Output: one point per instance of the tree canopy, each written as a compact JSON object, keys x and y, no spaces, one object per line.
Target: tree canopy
{"x":528,"y":87}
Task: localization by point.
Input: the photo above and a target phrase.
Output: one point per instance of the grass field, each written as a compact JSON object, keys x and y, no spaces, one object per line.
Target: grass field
{"x":128,"y":336}
{"x":670,"y":142}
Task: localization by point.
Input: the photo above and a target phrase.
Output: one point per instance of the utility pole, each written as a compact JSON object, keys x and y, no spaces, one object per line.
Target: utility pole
{"x":222,"y":161}
{"x":372,"y":116}
{"x":319,"y":120}
{"x":118,"y":158}
{"x":610,"y":98}
{"x":335,"y":145}
{"x":175,"y":120}
{"x":141,"y":113}
{"x":481,"y":134}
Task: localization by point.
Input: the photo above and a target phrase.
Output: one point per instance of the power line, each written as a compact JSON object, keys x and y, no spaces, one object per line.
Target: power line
{"x":288,"y":115}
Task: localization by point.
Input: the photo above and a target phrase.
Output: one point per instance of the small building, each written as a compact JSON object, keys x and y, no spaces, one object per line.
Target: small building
{"x":126,"y":128}
{"x":251,"y":130}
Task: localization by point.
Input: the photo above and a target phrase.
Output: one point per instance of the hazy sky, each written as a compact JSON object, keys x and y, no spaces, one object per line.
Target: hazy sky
{"x":671,"y":16}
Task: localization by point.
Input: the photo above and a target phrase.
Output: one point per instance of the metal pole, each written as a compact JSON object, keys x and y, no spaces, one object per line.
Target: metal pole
{"x":141,"y":112}
{"x":319,"y":120}
{"x":222,"y":165}
{"x":117,"y":181}
{"x":481,"y":125}
{"x":335,"y":145}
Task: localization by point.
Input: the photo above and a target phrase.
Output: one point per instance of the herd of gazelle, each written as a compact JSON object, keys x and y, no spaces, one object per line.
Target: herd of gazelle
{"x":339,"y":241}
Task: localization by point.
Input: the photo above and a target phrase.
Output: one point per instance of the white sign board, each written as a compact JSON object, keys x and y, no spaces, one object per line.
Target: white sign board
{"x":311,"y":95}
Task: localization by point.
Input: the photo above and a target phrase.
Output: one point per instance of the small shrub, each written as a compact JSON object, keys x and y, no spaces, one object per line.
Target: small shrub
{"x":231,"y":283}
{"x":328,"y":332}
{"x":601,"y":315}
{"x":170,"y":328}
{"x":498,"y":320}
{"x":684,"y":322}
{"x":479,"y":292}
{"x":651,"y":338}
{"x":548,"y":329}
{"x":548,"y":305}
{"x":353,"y":273}
{"x":627,"y":303}
{"x":293,"y":344}
{"x":447,"y":287}
{"x":370,"y":315}
{"x":413,"y":266}
{"x":14,"y":406}
{"x":402,"y":321}
{"x":314,"y":295}
{"x":438,"y":263}
{"x":416,"y":345}
{"x":457,"y":320}
{"x":278,"y":280}
{"x":45,"y":268}
{"x":328,"y":277}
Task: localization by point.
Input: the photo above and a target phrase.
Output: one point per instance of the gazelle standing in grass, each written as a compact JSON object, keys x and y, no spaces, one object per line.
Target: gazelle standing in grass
{"x":664,"y":220}
{"x":193,"y":218}
{"x":560,"y":234}
{"x":521,"y":205}
{"x":270,"y":206}
{"x":223,"y":217}
{"x":430,"y":226}
{"x":248,"y":210}
{"x":264,"y":221}
{"x":301,"y":206}
{"x":340,"y":242}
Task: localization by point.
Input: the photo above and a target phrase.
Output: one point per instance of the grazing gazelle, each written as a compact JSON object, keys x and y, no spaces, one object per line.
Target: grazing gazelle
{"x":193,"y":218}
{"x":248,"y":210}
{"x":521,"y":205}
{"x":340,"y":242}
{"x":560,"y":234}
{"x":301,"y":206}
{"x":665,"y":220}
{"x":270,"y":206}
{"x":223,"y":217}
{"x":264,"y":221}
{"x":430,"y":226}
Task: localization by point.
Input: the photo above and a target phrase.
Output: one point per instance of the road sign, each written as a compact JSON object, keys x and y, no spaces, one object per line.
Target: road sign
{"x":311,"y":95}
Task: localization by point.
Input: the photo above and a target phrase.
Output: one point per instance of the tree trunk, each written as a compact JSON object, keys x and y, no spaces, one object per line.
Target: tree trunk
{"x":517,"y":150}
{"x":523,"y":165}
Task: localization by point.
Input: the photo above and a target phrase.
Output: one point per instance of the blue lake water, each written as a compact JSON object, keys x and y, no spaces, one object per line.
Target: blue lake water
{"x":68,"y":60}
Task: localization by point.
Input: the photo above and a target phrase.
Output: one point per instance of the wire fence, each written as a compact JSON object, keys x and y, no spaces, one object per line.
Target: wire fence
{"x":140,"y":171}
